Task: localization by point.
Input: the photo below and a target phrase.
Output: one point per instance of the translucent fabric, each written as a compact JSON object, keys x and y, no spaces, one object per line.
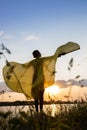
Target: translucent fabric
{"x":34,"y":76}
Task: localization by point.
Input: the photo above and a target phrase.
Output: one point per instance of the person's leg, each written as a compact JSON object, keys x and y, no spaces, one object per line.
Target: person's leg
{"x":36,"y":105}
{"x":41,"y":100}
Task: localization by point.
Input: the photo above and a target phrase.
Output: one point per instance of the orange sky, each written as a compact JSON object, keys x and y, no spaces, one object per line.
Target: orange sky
{"x":60,"y":94}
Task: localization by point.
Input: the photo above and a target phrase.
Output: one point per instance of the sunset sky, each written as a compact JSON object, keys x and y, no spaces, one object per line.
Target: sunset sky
{"x":26,"y":25}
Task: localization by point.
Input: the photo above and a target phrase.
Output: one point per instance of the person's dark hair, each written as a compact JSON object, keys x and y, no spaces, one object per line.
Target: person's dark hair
{"x":36,"y":54}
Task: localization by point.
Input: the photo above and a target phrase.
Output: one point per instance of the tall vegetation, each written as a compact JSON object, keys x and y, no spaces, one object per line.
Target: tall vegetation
{"x":73,"y":118}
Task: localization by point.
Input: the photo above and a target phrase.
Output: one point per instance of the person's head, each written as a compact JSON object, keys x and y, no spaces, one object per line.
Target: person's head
{"x":36,"y":54}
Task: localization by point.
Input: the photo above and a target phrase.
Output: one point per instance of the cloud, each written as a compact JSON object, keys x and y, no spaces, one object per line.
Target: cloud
{"x":3,"y":87}
{"x":31,"y":37}
{"x":71,"y":82}
{"x":5,"y":35}
{"x":61,"y":83}
{"x":1,"y":33}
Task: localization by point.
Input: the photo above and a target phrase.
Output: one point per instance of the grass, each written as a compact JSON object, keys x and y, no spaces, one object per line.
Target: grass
{"x":73,"y":118}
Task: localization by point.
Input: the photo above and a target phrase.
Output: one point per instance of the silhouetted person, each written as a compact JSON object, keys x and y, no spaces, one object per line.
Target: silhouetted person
{"x":39,"y":90}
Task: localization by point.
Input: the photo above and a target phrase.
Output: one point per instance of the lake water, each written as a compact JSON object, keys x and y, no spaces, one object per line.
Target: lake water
{"x":51,"y":110}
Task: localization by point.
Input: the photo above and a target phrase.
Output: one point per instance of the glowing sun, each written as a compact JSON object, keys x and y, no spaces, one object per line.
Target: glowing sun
{"x":53,"y":89}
